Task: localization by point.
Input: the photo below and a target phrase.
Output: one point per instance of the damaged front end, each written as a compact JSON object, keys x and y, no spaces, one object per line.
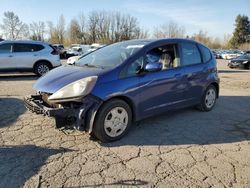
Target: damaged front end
{"x":78,"y":115}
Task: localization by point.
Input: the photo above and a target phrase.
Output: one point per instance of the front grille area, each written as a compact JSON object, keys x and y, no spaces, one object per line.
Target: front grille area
{"x":32,"y":106}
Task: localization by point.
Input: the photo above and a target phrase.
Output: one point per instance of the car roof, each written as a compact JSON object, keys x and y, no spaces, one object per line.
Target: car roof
{"x":24,"y":41}
{"x":150,"y":41}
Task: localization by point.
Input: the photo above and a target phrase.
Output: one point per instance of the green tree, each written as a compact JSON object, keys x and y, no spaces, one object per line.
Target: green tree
{"x":241,"y":33}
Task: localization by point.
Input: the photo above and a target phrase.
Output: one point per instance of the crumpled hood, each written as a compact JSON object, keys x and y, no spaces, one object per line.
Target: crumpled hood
{"x":62,"y":76}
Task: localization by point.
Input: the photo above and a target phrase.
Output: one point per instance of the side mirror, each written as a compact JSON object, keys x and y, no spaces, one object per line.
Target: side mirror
{"x":153,"y":67}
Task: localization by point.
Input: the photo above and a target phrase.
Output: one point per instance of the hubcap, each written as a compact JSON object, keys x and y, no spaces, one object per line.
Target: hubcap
{"x":42,"y":69}
{"x":210,"y":98}
{"x":116,"y":121}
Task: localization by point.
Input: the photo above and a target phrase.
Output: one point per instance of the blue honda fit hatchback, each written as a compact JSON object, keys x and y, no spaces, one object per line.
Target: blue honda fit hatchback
{"x":109,"y":89}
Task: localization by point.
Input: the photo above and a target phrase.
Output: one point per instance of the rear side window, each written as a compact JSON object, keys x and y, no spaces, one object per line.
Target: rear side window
{"x":19,"y":47}
{"x":206,"y":55}
{"x":190,"y":54}
{"x":5,"y":48}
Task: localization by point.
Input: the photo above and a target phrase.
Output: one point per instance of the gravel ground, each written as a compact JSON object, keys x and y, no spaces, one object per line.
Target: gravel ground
{"x":185,"y":148}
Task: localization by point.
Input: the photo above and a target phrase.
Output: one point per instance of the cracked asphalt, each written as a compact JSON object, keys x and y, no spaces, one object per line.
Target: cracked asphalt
{"x":184,"y":148}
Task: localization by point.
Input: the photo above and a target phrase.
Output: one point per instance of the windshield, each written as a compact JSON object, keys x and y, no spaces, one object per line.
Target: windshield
{"x":112,"y":55}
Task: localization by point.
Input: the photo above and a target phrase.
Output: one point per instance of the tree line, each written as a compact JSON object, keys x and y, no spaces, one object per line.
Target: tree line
{"x":98,"y":27}
{"x":108,"y":27}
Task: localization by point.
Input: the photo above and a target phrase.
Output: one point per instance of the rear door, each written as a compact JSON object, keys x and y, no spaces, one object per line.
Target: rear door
{"x":24,"y":55}
{"x":195,"y":71}
{"x":6,"y":56}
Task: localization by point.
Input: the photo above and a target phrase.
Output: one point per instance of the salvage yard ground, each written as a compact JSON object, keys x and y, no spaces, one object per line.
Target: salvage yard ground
{"x":184,"y":148}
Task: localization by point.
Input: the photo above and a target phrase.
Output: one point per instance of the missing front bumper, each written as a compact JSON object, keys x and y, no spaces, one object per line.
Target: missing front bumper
{"x":79,"y":116}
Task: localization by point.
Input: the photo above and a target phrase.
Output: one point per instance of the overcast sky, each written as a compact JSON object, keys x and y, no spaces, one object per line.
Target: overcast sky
{"x":216,"y":17}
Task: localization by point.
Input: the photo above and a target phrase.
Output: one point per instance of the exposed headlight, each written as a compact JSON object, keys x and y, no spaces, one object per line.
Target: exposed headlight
{"x":75,"y":90}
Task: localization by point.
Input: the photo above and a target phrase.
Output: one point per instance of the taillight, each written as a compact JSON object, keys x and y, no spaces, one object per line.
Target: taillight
{"x":55,"y":51}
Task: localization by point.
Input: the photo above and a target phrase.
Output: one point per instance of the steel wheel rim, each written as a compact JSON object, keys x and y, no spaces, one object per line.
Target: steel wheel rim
{"x":116,"y":121}
{"x":210,"y":98}
{"x":42,"y":69}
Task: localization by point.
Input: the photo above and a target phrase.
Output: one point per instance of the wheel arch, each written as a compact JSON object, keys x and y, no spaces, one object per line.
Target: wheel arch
{"x":128,"y":101}
{"x":216,"y":85}
{"x":42,"y":60}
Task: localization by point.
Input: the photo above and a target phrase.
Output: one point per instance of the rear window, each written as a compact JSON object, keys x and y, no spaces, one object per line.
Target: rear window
{"x":21,"y":47}
{"x":5,"y":48}
{"x":190,"y":54}
{"x":206,"y":55}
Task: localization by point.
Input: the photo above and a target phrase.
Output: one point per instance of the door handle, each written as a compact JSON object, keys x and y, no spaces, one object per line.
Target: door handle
{"x":10,"y":55}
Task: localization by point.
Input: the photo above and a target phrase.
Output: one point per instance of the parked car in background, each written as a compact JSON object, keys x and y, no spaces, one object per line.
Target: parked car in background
{"x":77,"y":50}
{"x":95,"y":46}
{"x":125,"y":82}
{"x":217,"y":54}
{"x":73,"y":59}
{"x":35,"y":56}
{"x":60,"y":48}
{"x":230,"y":54}
{"x":92,"y":48}
{"x":240,"y":62}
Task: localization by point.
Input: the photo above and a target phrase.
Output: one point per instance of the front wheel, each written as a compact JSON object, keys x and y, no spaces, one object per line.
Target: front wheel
{"x":112,"y":121}
{"x":208,"y":99}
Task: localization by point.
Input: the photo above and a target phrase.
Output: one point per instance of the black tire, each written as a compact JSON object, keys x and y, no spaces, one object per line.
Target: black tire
{"x":203,"y":106}
{"x":42,"y":68}
{"x":247,"y":66}
{"x":105,"y":110}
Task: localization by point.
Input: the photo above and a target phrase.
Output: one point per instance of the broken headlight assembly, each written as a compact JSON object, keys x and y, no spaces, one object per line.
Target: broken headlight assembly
{"x":74,"y":91}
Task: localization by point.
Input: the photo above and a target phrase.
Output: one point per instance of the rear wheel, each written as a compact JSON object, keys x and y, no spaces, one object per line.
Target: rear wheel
{"x":42,"y":68}
{"x":208,"y":99}
{"x":112,"y":121}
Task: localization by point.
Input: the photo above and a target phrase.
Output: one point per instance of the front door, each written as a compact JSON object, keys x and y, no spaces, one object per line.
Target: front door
{"x":6,"y":57}
{"x":164,"y":89}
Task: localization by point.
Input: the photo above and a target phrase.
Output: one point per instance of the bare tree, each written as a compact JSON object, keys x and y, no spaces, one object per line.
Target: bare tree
{"x":60,"y":29}
{"x":109,"y":27}
{"x":52,"y":36}
{"x":74,"y":31}
{"x":12,"y":27}
{"x":83,"y":28}
{"x":57,"y":33}
{"x":169,"y":30}
{"x":37,"y":30}
{"x":211,"y":42}
{"x":201,"y":37}
{"x":92,"y":26}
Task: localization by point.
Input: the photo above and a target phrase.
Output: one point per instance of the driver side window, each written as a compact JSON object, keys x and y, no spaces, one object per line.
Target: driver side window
{"x":166,"y":55}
